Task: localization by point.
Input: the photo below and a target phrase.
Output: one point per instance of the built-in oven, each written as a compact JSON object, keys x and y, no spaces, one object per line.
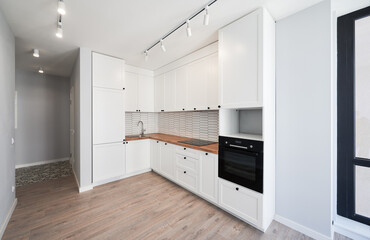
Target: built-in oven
{"x":241,"y":161}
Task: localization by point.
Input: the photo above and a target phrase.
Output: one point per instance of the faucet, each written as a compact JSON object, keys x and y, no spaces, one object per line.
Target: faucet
{"x":142,"y":128}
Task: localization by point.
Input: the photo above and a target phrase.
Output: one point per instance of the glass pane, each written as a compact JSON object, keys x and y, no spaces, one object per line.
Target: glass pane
{"x":362,"y":191}
{"x":362,"y":87}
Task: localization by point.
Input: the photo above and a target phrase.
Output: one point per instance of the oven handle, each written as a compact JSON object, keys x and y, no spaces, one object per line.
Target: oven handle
{"x":236,"y":146}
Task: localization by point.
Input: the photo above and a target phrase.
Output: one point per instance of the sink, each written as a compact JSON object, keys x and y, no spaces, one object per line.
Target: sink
{"x":136,"y":136}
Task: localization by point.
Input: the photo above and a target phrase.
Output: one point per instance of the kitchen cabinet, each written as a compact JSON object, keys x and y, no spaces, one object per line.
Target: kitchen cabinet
{"x":181,"y":89}
{"x":170,"y":91}
{"x":208,"y":169}
{"x":109,"y":162}
{"x":139,"y":93}
{"x":196,"y":85}
{"x":131,"y":91}
{"x":246,"y":49}
{"x":212,"y":82}
{"x":108,"y":115}
{"x":137,"y":156}
{"x":241,"y":201}
{"x":167,"y":162}
{"x":107,"y":72}
{"x":159,"y":93}
{"x":155,"y":155}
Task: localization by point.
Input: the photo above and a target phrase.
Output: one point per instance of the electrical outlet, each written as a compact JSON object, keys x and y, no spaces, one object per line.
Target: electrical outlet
{"x":13,"y":188}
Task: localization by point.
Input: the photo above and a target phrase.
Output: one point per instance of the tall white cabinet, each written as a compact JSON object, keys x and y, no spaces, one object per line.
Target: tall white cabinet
{"x":108,"y":118}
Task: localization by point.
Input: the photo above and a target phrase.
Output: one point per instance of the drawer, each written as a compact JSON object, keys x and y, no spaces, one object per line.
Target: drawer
{"x":187,"y":162}
{"x":241,"y":201}
{"x":188,"y":152}
{"x":187,"y":178}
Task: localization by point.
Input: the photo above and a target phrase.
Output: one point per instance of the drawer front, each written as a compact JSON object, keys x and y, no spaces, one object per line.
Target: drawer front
{"x":188,"y":152}
{"x":243,"y":202}
{"x":187,"y":178}
{"x":187,"y":162}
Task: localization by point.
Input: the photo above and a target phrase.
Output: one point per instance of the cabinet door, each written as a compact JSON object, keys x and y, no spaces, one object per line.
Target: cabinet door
{"x":212,"y":82}
{"x":239,"y":59}
{"x":167,"y":160}
{"x":155,"y":159}
{"x":107,"y":71}
{"x":108,"y":115}
{"x":196,"y":85}
{"x":159,"y":93}
{"x":131,"y":90}
{"x":137,"y":156}
{"x":181,"y":89}
{"x":146,"y":94}
{"x":241,"y":201}
{"x":170,"y":91}
{"x":208,"y":177}
{"x":108,"y":161}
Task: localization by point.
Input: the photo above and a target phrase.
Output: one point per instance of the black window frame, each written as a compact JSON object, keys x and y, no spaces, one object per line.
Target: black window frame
{"x":346,"y":157}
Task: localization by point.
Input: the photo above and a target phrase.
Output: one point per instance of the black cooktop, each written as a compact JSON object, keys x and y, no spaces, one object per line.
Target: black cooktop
{"x":197,"y":142}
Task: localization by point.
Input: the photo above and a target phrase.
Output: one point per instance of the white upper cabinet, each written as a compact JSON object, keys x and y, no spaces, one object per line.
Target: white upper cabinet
{"x":139,"y":91}
{"x":108,"y":115}
{"x":170,"y":91}
{"x":196,"y":85}
{"x":241,"y":64}
{"x":212,"y":82}
{"x":159,"y":93}
{"x":107,"y":71}
{"x":181,"y":89}
{"x":131,"y":91}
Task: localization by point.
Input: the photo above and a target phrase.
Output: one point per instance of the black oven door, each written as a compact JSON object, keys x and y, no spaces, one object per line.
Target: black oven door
{"x":241,"y":166}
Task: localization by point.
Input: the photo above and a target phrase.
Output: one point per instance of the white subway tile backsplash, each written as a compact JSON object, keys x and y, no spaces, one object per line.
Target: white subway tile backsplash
{"x":202,"y":125}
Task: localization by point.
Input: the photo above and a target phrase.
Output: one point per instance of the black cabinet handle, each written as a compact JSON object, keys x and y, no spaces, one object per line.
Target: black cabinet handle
{"x":208,"y":108}
{"x":195,"y":108}
{"x":162,"y":110}
{"x":157,"y":141}
{"x":206,"y":153}
{"x":219,"y":106}
{"x":184,"y":171}
{"x":123,"y":88}
{"x":126,"y":142}
{"x":237,"y":189}
{"x":165,"y":143}
{"x":184,"y":148}
{"x":183,"y":109}
{"x":184,"y":157}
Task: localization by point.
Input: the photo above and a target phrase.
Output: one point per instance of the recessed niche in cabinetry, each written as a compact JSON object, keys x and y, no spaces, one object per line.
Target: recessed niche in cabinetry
{"x":243,"y":123}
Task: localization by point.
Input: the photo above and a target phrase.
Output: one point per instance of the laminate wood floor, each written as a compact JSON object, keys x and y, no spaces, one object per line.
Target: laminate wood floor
{"x":146,"y":206}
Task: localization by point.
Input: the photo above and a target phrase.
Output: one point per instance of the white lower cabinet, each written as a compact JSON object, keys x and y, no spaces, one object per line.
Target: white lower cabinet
{"x":109,"y":161}
{"x":245,"y":203}
{"x":155,"y":155}
{"x":137,"y":156}
{"x":167,"y":162}
{"x":187,"y":178}
{"x":208,"y":168}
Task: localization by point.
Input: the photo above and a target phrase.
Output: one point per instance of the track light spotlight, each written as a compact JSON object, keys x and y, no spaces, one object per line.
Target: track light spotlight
{"x":61,"y":7}
{"x":146,"y":55}
{"x":206,"y":16}
{"x":41,"y":71}
{"x":36,"y":53}
{"x":162,"y":46}
{"x":188,"y":29}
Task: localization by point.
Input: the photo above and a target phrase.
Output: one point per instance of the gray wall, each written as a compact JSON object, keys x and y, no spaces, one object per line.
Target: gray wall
{"x":43,"y":117}
{"x":303,"y":118}
{"x":7,"y":152}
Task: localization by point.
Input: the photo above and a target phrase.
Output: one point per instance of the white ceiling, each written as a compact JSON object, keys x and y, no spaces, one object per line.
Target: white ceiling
{"x":122,"y":28}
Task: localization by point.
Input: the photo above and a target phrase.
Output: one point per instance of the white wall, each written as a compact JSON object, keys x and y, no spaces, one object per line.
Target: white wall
{"x":81,"y":81}
{"x":7,"y":152}
{"x":42,"y":132}
{"x":303,"y":121}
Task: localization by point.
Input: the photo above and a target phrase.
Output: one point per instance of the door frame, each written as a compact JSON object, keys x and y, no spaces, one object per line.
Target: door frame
{"x":347,"y":159}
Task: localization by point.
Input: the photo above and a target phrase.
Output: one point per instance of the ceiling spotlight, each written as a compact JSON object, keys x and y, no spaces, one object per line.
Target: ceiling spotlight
{"x":36,"y":53}
{"x":146,"y":55}
{"x":59,"y":32}
{"x":206,"y":16}
{"x":61,"y":7}
{"x":162,"y":46}
{"x":41,"y":71}
{"x":188,"y":29}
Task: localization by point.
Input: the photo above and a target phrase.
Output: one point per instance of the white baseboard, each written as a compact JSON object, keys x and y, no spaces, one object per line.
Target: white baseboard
{"x":7,"y":219}
{"x":120,"y":177}
{"x":300,"y":228}
{"x":81,"y":189}
{"x":351,"y":229}
{"x":41,"y":162}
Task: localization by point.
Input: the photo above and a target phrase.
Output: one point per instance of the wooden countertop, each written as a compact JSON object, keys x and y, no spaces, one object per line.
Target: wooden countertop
{"x":212,"y":148}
